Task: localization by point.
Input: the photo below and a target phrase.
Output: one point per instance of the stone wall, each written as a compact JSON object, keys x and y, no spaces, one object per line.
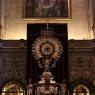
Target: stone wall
{"x":14,"y":27}
{"x":82,"y":60}
{"x":13,"y":56}
{"x":12,"y":61}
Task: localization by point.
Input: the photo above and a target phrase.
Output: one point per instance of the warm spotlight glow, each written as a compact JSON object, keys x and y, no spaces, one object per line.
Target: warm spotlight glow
{"x":16,"y":31}
{"x":15,"y":28}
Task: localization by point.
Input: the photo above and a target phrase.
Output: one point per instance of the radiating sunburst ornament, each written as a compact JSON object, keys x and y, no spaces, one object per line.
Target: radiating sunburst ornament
{"x":47,"y":45}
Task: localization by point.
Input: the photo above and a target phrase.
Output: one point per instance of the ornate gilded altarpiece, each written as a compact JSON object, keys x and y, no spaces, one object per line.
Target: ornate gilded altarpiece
{"x":47,"y":46}
{"x":47,"y":41}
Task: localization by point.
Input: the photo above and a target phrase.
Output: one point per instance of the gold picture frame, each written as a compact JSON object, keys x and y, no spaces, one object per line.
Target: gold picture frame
{"x":47,"y":11}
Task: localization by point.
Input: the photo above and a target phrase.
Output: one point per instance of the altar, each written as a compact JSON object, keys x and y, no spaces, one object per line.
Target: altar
{"x":47,"y":63}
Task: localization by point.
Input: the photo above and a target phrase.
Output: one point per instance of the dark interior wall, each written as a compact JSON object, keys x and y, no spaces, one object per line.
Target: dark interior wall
{"x":60,"y":72}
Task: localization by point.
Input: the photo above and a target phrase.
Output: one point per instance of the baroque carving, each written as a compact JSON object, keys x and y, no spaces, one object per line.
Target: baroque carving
{"x":64,"y":88}
{"x":47,"y":47}
{"x":29,"y":88}
{"x":81,"y":67}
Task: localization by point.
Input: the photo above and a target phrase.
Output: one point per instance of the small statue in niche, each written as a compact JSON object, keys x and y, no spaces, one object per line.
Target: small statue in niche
{"x":44,"y":62}
{"x":47,"y":62}
{"x":64,"y":88}
{"x":81,"y":91}
{"x":29,"y":88}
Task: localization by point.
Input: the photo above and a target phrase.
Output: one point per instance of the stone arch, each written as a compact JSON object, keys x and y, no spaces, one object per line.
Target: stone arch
{"x":12,"y":88}
{"x":81,"y":87}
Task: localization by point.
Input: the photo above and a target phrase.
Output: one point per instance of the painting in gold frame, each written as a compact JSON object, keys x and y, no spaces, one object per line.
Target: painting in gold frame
{"x":47,"y":10}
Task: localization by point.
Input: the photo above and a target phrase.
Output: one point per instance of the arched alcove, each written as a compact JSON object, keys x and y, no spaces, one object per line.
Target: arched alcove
{"x":81,"y":89}
{"x":12,"y":88}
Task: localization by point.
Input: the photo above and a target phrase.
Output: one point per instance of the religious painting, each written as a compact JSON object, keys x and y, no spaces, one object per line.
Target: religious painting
{"x":47,"y":9}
